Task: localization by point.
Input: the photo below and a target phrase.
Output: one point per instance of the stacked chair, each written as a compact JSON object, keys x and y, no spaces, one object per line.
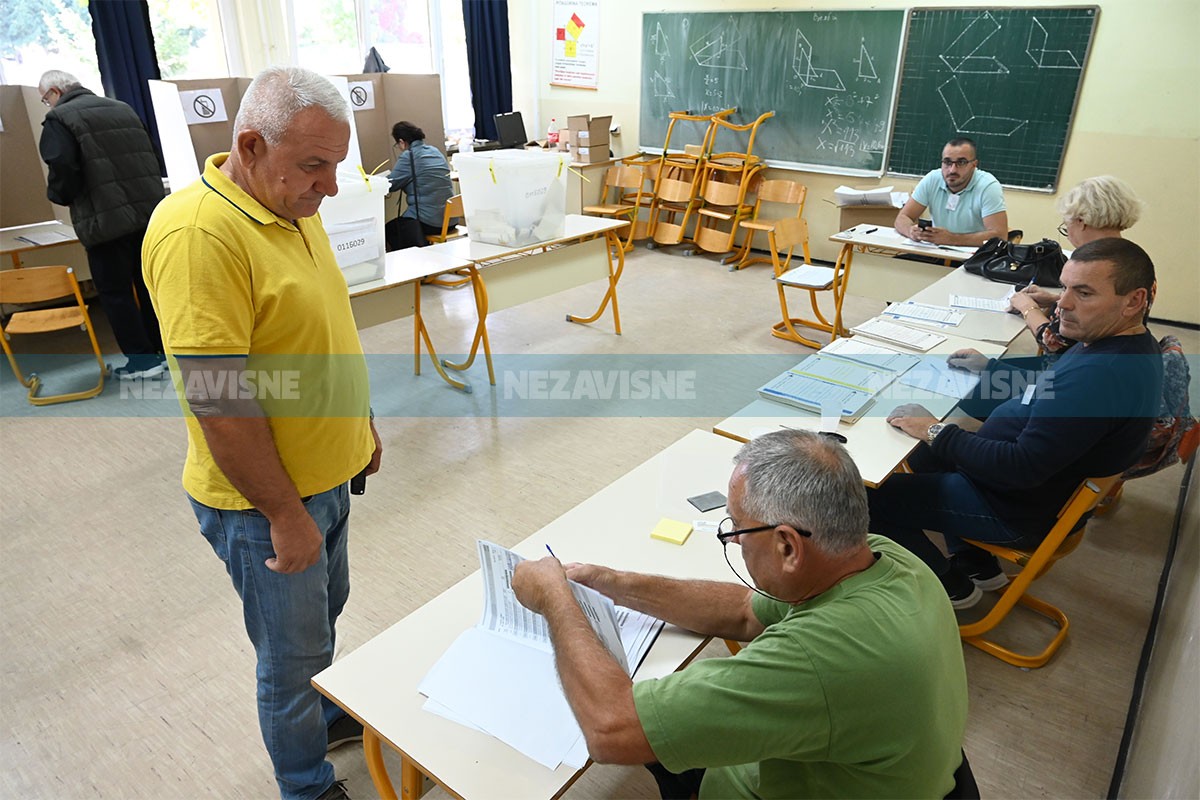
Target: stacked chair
{"x":725,"y":186}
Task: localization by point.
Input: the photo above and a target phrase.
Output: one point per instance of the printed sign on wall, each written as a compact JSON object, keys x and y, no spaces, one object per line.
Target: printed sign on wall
{"x":576,"y":43}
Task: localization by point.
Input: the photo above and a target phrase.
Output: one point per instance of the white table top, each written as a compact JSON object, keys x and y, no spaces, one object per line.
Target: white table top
{"x":409,"y":265}
{"x":985,"y":326}
{"x":876,"y":447}
{"x":10,"y":244}
{"x":578,"y":226}
{"x":886,"y":238}
{"x":377,"y":682}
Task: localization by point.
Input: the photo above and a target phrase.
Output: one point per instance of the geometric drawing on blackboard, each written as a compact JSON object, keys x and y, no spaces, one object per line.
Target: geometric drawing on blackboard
{"x":717,"y":54}
{"x":826,"y":79}
{"x":866,"y":64}
{"x":661,"y":47}
{"x":967,"y":121}
{"x":961,"y":56}
{"x":662,"y":86}
{"x":1047,"y":59}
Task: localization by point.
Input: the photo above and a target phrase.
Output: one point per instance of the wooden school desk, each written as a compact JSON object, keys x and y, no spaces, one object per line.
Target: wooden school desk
{"x":377,"y":683}
{"x":12,"y":246}
{"x":876,"y":447}
{"x":887,"y":278}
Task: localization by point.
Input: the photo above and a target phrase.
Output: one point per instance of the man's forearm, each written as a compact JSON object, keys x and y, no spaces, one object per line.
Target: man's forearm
{"x":710,"y":608}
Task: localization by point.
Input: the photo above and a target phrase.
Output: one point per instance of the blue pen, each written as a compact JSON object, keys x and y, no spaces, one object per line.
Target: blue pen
{"x":551,"y":552}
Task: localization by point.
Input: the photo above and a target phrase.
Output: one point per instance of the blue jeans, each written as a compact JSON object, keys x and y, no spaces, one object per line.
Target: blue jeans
{"x":290,"y":620}
{"x":936,"y":498}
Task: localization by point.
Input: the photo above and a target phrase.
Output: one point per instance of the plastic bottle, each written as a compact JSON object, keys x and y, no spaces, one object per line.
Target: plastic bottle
{"x":552,"y":134}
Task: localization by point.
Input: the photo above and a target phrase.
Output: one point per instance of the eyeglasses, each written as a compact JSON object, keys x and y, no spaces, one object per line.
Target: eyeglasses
{"x":960,"y":163}
{"x":46,"y":102}
{"x":1062,"y":229}
{"x":726,"y":532}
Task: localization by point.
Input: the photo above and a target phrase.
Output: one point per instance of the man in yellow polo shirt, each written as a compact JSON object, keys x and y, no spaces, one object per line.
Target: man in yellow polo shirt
{"x":257,"y":324}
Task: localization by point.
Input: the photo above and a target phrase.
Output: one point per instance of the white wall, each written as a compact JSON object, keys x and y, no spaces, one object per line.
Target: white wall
{"x":1138,"y":118}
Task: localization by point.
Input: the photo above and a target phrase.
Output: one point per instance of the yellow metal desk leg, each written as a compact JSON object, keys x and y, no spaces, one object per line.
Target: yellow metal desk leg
{"x":378,"y":770}
{"x":481,"y":334}
{"x":421,"y":334}
{"x":841,"y":281}
{"x":612,"y":243}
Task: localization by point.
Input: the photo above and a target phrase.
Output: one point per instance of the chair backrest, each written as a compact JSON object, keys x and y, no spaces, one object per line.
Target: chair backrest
{"x":454,"y":210}
{"x":1072,"y":518}
{"x":790,"y":232}
{"x":782,"y":191}
{"x":37,"y":284}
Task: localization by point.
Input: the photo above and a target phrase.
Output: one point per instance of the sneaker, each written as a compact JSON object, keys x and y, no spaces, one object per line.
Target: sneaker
{"x":142,"y":367}
{"x":336,"y":791}
{"x":982,"y":568}
{"x":962,"y":590}
{"x":344,"y":730}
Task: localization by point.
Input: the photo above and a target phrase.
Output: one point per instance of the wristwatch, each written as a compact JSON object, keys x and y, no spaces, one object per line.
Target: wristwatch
{"x":934,"y":430}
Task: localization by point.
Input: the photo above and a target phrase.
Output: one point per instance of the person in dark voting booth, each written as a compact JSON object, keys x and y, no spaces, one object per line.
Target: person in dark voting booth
{"x":422,"y":173}
{"x":852,"y":682}
{"x":966,"y":203}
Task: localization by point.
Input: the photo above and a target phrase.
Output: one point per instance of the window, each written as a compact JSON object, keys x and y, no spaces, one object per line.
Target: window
{"x":326,"y":35}
{"x":40,"y":35}
{"x":188,"y":39}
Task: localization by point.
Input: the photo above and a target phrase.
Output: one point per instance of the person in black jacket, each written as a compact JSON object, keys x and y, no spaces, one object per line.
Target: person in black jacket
{"x":1089,"y":415}
{"x":103,"y":167}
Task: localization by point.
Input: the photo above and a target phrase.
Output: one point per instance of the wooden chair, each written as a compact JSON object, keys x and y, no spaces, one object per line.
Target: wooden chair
{"x":776,"y":193}
{"x":1062,"y":540}
{"x":454,"y":210}
{"x":727,"y":179}
{"x":785,"y":235}
{"x":624,"y":186}
{"x":679,"y":178}
{"x":39,"y":285}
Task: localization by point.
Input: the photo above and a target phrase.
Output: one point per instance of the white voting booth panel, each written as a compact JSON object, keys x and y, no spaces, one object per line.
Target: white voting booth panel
{"x":353,"y":218}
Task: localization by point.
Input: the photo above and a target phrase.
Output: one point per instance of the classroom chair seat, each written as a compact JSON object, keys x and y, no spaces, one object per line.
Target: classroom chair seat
{"x":1062,"y":540}
{"x":785,"y":235}
{"x":39,"y":285}
{"x":454,"y":210}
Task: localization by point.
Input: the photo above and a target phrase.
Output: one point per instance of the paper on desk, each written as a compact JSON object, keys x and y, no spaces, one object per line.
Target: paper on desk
{"x":855,"y":349}
{"x":921,"y":312}
{"x":935,"y":375}
{"x":846,"y":196}
{"x":999,"y":304}
{"x":40,"y":238}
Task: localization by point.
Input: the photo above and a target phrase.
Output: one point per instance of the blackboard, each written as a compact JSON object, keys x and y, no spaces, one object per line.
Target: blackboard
{"x":829,"y":76}
{"x":1007,"y":78}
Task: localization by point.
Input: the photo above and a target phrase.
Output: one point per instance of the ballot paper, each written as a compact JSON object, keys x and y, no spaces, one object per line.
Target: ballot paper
{"x":499,"y":676}
{"x":935,"y":375}
{"x":998,"y":304}
{"x":924,"y":313}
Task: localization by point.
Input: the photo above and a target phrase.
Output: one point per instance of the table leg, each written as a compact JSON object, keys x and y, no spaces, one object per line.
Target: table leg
{"x":378,"y":770}
{"x":612,"y":243}
{"x":421,"y":334}
{"x":481,"y":335}
{"x":841,"y":280}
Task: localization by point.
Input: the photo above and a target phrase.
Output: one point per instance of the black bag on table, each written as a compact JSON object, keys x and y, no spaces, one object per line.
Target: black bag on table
{"x":998,"y":260}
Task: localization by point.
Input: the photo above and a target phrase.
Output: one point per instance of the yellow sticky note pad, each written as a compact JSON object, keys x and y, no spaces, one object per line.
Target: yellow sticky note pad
{"x":671,"y":530}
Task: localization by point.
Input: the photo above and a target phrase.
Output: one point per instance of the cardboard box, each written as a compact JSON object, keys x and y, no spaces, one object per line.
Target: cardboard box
{"x":590,"y":155}
{"x":589,"y":131}
{"x":883,"y":216}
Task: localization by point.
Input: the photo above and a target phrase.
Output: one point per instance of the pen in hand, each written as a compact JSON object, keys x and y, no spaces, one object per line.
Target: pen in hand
{"x":551,"y":552}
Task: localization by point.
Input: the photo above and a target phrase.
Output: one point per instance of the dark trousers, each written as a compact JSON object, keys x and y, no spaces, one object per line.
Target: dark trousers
{"x":676,"y":786}
{"x":405,"y":232}
{"x":117,"y":273}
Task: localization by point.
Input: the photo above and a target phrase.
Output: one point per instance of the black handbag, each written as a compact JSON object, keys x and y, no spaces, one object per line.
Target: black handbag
{"x":405,"y":232}
{"x":998,"y":260}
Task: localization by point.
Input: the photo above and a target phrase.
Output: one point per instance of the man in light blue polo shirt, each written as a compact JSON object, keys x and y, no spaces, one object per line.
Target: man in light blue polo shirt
{"x":966,"y":203}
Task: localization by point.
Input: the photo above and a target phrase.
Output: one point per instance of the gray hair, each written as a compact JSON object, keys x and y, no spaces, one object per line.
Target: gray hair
{"x":808,"y":481}
{"x":57,"y":79}
{"x":1102,"y":202}
{"x":278,"y":94}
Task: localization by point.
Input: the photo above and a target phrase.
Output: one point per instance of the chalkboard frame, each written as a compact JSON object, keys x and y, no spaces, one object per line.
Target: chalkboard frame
{"x":1053,"y":185}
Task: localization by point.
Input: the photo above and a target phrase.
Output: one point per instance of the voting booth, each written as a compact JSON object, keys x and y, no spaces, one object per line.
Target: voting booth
{"x":513,"y":197}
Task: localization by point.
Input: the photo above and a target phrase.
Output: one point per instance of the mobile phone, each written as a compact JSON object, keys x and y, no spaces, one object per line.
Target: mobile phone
{"x":358,"y":484}
{"x":923,"y":224}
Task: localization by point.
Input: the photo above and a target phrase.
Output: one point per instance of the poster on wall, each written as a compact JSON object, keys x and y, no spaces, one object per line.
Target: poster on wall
{"x":576,"y":42}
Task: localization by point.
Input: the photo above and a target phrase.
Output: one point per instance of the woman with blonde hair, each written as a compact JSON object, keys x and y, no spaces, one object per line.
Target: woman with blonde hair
{"x":1098,"y":208}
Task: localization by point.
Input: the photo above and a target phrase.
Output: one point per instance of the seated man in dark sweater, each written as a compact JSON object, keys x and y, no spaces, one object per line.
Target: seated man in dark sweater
{"x":1087,"y":416}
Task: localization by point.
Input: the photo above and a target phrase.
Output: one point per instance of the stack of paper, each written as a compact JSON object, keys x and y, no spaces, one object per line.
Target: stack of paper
{"x":880,"y":196}
{"x":935,"y":375}
{"x":499,"y":676}
{"x":925,"y":314}
{"x":879,"y":328}
{"x":999,"y":304}
{"x":824,"y":380}
{"x":855,"y":349}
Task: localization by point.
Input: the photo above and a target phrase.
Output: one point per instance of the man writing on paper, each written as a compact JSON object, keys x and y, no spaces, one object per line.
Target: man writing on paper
{"x":852,"y":684}
{"x":256,"y":316}
{"x":966,"y":203}
{"x":1088,"y":417}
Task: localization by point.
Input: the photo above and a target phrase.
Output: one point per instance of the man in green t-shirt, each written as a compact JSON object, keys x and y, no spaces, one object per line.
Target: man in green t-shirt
{"x":852,"y":684}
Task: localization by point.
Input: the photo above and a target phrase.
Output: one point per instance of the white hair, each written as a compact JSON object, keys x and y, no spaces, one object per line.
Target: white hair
{"x":278,"y":94}
{"x":1102,"y":202}
{"x":57,"y":79}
